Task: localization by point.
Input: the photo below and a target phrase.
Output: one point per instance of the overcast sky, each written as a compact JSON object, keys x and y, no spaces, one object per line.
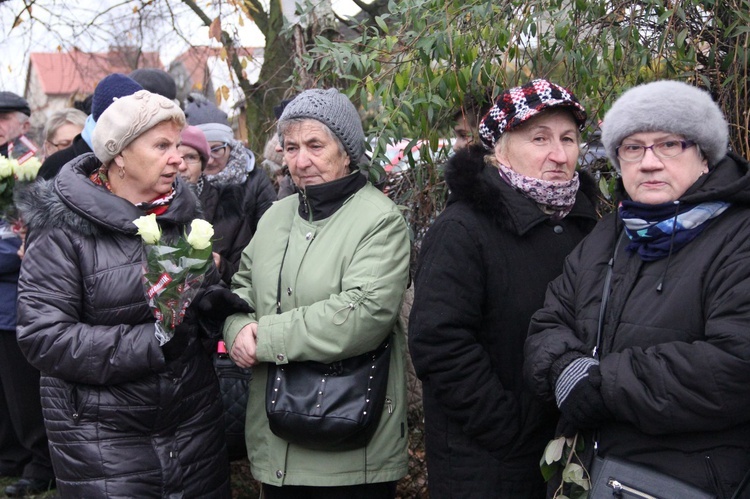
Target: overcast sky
{"x":55,"y":31}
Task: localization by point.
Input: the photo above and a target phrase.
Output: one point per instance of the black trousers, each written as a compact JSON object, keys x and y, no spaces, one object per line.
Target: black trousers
{"x":23,"y":439}
{"x":384,"y":490}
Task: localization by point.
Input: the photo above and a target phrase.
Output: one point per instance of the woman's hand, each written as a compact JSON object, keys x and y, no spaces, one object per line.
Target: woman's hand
{"x":243,"y":351}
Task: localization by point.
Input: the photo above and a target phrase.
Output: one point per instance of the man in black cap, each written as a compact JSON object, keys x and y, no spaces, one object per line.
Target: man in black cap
{"x":14,"y":119}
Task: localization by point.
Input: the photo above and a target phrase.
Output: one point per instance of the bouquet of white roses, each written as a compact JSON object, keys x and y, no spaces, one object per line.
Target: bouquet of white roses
{"x":173,"y":273}
{"x":12,"y":175}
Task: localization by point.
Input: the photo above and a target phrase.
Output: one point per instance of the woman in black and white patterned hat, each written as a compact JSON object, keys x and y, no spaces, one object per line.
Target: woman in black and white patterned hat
{"x":515,"y":211}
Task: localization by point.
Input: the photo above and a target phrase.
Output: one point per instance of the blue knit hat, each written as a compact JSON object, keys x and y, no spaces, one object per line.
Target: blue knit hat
{"x":111,"y":87}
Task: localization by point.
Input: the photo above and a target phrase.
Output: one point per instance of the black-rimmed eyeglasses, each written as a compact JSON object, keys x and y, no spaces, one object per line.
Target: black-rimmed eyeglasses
{"x":665,"y":150}
{"x":219,"y":151}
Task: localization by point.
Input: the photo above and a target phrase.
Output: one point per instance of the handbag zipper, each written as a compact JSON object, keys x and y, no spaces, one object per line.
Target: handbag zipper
{"x":618,"y":489}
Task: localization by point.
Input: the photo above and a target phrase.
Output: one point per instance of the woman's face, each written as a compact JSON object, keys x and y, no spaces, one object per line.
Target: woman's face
{"x":150,"y":163}
{"x":313,"y":154}
{"x":62,"y":138}
{"x":544,"y":147}
{"x":190,"y":167}
{"x":655,"y":180}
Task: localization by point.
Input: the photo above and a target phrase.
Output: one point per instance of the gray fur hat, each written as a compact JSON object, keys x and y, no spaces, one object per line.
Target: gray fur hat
{"x":336,"y":111}
{"x":667,"y":106}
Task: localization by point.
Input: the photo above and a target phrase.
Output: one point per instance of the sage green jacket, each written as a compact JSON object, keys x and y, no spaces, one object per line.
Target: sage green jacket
{"x":342,"y":283}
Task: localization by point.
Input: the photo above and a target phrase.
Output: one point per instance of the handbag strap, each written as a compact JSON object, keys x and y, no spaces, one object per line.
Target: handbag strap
{"x":605,"y":297}
{"x":278,"y":285}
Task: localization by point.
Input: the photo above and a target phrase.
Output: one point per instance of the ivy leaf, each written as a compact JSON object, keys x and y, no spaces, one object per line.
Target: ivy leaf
{"x":548,"y":470}
{"x":553,"y":451}
{"x":574,"y":473}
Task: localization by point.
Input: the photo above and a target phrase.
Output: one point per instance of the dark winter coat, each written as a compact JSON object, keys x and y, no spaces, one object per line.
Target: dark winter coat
{"x":52,"y":165}
{"x":482,"y":272}
{"x":10,"y":263}
{"x":222,"y":205}
{"x":675,"y":364}
{"x":120,"y":421}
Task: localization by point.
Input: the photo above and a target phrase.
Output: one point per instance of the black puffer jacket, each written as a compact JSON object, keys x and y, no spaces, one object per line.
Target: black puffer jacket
{"x":120,"y":421}
{"x":675,"y":364}
{"x":482,"y":272}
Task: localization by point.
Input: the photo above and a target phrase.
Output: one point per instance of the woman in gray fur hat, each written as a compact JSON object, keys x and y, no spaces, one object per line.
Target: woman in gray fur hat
{"x":643,"y":341}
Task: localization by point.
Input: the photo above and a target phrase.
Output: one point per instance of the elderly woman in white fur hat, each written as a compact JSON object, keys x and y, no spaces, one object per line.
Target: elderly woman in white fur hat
{"x":643,"y":341}
{"x":126,"y":414}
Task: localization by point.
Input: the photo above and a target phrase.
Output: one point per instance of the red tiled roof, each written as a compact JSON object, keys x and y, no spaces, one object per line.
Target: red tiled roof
{"x":195,"y":60}
{"x":79,"y":72}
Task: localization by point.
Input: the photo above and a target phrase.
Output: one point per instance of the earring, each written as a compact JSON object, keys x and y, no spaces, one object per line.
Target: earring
{"x":121,"y":172}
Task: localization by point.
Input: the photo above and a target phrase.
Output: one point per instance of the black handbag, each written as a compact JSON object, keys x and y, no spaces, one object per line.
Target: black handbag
{"x":333,"y":406}
{"x":611,"y":477}
{"x":234,"y":385}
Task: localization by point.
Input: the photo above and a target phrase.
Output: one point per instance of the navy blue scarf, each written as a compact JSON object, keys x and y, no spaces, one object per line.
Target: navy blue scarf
{"x":656,"y":229}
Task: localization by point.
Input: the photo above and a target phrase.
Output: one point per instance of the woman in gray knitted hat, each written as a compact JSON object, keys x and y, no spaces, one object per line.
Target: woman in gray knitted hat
{"x":127,"y":414}
{"x":325,"y":273}
{"x":643,"y":341}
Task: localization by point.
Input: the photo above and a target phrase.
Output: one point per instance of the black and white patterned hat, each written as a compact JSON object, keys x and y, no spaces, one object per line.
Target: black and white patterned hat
{"x":518,"y":104}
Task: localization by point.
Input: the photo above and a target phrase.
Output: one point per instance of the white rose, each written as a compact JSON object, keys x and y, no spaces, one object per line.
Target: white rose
{"x":200,"y":235}
{"x":27,"y":171}
{"x":148,"y":229}
{"x":6,"y":168}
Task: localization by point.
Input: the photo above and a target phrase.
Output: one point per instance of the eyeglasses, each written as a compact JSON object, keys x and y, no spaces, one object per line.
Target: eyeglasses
{"x":218,"y":151}
{"x":664,"y":150}
{"x":192,"y":159}
{"x":62,"y":144}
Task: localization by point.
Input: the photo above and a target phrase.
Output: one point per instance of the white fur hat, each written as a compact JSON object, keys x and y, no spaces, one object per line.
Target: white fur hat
{"x":667,"y":106}
{"x":127,"y":118}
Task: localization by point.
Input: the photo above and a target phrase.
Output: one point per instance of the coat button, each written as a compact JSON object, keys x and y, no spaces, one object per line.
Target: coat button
{"x":308,"y":236}
{"x":280,"y":357}
{"x":558,"y":229}
{"x":279,"y":473}
{"x":289,"y":291}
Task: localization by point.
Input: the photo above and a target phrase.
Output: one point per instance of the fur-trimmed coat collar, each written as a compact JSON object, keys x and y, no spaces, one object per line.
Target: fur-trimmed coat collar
{"x":71,"y":201}
{"x":470,"y":179}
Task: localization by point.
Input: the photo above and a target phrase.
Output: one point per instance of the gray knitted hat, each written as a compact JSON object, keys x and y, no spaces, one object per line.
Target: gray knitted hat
{"x":127,"y":118}
{"x":667,"y":106}
{"x":336,"y":111}
{"x":199,"y":110}
{"x":216,"y":132}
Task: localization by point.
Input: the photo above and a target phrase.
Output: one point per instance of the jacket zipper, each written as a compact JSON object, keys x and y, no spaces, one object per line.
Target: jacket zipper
{"x":308,"y":209}
{"x":389,"y":404}
{"x":618,"y":489}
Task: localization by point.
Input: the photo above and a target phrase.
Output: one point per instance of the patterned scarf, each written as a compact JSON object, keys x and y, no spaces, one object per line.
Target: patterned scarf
{"x":656,"y":229}
{"x":158,"y":205}
{"x":240,"y":163}
{"x":555,"y":198}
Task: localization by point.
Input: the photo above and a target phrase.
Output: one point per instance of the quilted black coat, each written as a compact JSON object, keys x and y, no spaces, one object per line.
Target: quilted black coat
{"x":675,"y":362}
{"x":482,"y":272}
{"x":120,"y":421}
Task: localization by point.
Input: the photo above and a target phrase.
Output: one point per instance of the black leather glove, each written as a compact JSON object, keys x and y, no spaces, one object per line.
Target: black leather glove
{"x":183,"y":334}
{"x":583,"y":407}
{"x":218,"y":303}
